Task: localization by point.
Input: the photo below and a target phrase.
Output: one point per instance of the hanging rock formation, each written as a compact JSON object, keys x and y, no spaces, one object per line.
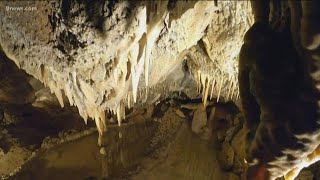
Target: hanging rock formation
{"x":106,"y":56}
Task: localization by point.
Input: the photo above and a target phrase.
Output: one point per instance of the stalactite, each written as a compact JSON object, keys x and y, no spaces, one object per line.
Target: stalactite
{"x":306,"y":162}
{"x":99,"y":124}
{"x":68,"y":93}
{"x":88,"y":91}
{"x":137,"y":49}
{"x":212,"y":87}
{"x":232,"y":88}
{"x":203,"y":84}
{"x":119,"y":114}
{"x":44,"y":74}
{"x":58,"y":93}
{"x":238,"y":91}
{"x":220,"y":87}
{"x":137,"y":71}
{"x":133,"y":55}
{"x":153,"y":32}
{"x":199,"y":81}
{"x":206,"y":93}
{"x":229,"y":88}
{"x":129,"y":103}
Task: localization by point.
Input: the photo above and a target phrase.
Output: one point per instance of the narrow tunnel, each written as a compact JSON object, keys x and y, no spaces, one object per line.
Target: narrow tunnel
{"x":159,"y":89}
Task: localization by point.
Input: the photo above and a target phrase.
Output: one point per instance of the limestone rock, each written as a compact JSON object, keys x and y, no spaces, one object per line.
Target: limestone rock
{"x":120,"y":56}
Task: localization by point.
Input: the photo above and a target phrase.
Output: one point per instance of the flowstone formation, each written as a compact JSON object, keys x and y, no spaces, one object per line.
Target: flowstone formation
{"x":106,"y":56}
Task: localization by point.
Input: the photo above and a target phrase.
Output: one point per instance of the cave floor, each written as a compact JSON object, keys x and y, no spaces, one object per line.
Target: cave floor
{"x":188,"y":157}
{"x":166,"y":141}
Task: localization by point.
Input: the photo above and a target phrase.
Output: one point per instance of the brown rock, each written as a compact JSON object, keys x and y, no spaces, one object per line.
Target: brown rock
{"x":238,"y":143}
{"x":305,"y":175}
{"x":221,"y":124}
{"x":221,"y":135}
{"x":180,"y":113}
{"x":231,"y":132}
{"x":226,"y":156}
{"x":238,"y":120}
{"x":239,"y":166}
{"x":199,"y":119}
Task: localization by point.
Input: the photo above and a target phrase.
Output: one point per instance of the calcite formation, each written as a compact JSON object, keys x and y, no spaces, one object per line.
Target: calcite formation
{"x":106,"y":56}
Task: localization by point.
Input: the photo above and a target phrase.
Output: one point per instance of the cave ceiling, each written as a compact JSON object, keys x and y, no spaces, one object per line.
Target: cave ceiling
{"x":106,"y":56}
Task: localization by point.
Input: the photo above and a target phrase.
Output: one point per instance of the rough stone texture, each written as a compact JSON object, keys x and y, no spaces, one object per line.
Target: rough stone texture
{"x":305,"y":175}
{"x":108,"y":58}
{"x":199,"y":119}
{"x":14,"y":85}
{"x":238,"y":143}
{"x":226,"y":156}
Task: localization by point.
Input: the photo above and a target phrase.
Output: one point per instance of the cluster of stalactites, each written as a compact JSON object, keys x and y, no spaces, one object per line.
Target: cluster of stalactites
{"x":208,"y":84}
{"x":137,"y":53}
{"x":133,"y":58}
